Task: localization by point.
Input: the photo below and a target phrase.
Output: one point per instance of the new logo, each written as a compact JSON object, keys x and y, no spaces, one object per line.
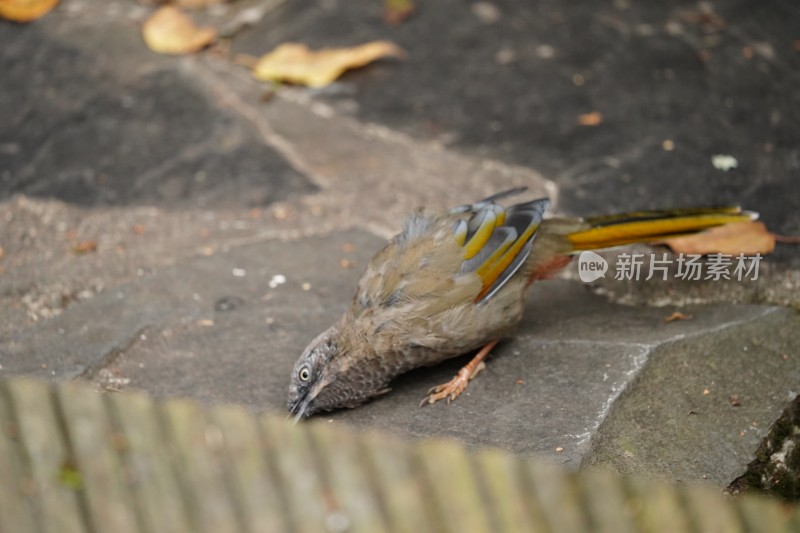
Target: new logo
{"x":591,"y":267}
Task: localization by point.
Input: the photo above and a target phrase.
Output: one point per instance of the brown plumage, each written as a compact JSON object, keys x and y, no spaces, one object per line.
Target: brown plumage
{"x":453,"y":282}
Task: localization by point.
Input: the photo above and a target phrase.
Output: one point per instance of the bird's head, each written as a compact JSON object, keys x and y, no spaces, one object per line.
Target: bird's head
{"x":328,"y":375}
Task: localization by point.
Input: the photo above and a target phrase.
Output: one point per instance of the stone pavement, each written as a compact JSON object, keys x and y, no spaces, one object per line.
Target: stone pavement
{"x":201,"y":198}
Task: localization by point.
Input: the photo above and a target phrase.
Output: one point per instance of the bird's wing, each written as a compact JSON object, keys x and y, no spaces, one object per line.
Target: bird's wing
{"x":496,"y":241}
{"x":436,"y":259}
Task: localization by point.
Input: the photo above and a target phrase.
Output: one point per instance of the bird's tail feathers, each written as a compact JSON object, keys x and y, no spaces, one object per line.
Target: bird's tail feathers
{"x":610,"y":231}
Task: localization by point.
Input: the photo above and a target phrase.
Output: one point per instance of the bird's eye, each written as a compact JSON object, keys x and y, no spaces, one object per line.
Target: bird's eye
{"x":304,"y":374}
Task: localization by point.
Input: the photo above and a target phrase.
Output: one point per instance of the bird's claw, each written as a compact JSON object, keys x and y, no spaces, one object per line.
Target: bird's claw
{"x":446,"y":392}
{"x":452,"y":389}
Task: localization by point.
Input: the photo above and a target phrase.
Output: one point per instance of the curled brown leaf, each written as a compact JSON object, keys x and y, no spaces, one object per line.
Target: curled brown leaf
{"x":748,"y":237}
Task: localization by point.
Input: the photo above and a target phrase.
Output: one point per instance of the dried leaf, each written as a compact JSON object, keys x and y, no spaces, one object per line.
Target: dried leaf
{"x":677,"y":315}
{"x":295,"y":63}
{"x":170,"y":31}
{"x":85,"y":247}
{"x":396,"y":12}
{"x":25,"y":10}
{"x":590,"y":119}
{"x":748,"y":237}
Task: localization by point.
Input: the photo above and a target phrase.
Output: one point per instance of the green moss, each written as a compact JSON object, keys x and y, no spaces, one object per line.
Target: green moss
{"x":69,"y":476}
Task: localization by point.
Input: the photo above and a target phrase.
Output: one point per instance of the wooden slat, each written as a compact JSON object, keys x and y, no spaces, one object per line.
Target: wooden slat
{"x":399,"y":484}
{"x":254,"y":484}
{"x":710,"y":512}
{"x":658,"y":508}
{"x":794,"y":518}
{"x":344,"y":468}
{"x":513,"y":507}
{"x":199,"y":447}
{"x":558,"y":497}
{"x":17,"y":502}
{"x":55,"y":482}
{"x":308,"y":502}
{"x":605,"y":500}
{"x":454,"y":487}
{"x":75,"y":460}
{"x":148,"y":460}
{"x":762,"y":515}
{"x":92,"y":441}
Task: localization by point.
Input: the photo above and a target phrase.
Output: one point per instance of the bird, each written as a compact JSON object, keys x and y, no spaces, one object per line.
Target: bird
{"x":454,"y":282}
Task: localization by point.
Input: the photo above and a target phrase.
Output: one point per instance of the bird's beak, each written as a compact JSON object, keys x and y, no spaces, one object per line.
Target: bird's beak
{"x":301,"y":412}
{"x":300,"y":407}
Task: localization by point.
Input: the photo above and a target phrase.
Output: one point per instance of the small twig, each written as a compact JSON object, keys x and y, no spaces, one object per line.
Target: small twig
{"x":786,"y":239}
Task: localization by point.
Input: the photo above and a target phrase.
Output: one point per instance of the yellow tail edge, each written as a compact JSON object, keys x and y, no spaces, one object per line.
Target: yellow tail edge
{"x":652,"y":226}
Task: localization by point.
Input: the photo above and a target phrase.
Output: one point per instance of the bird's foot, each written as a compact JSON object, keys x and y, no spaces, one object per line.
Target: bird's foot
{"x":454,"y":387}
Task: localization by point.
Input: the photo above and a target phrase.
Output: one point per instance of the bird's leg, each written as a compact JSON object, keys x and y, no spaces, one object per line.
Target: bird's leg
{"x":456,"y":386}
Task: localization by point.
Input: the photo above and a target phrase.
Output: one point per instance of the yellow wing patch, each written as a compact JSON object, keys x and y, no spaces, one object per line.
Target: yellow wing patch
{"x":495,"y":239}
{"x":491,"y":271}
{"x":486,"y":226}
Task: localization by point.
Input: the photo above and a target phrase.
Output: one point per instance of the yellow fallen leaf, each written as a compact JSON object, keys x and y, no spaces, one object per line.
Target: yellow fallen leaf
{"x":170,"y":31}
{"x":748,"y":237}
{"x":295,"y":63}
{"x":25,"y":10}
{"x":590,"y":119}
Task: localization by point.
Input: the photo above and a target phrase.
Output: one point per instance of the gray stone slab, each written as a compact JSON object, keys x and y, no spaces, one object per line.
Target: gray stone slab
{"x":79,"y":130}
{"x":230,"y":289}
{"x":702,"y":404}
{"x":511,"y":85}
